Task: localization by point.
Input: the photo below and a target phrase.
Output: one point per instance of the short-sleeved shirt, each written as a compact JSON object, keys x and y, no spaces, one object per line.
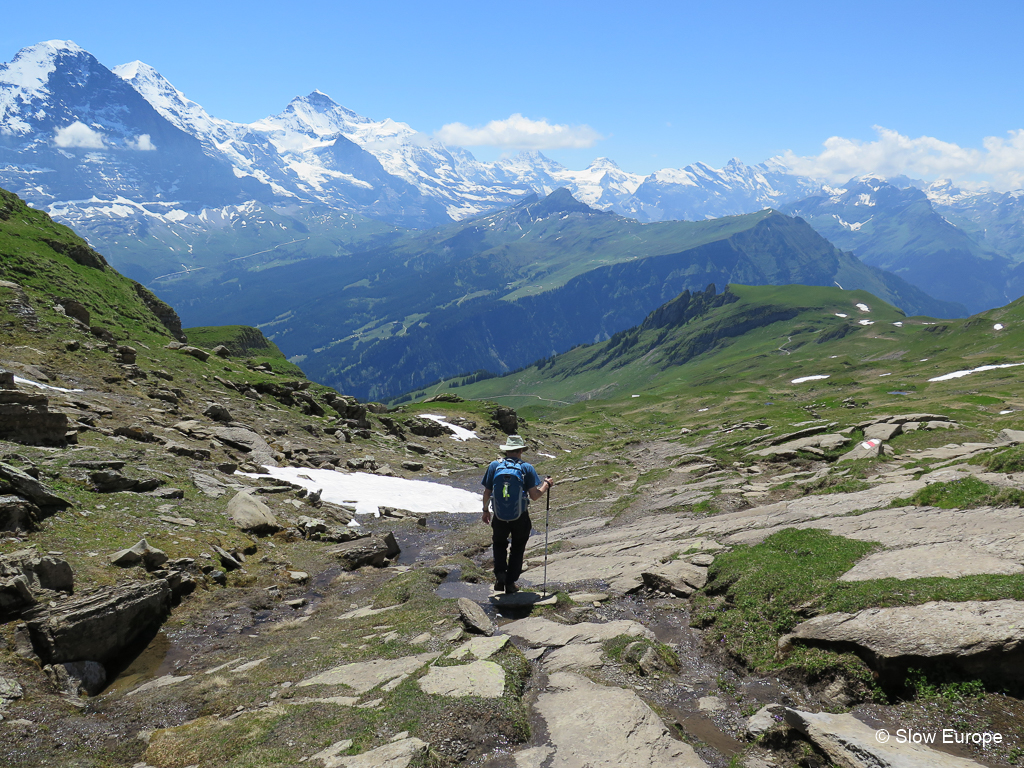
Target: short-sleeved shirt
{"x":530,"y":477}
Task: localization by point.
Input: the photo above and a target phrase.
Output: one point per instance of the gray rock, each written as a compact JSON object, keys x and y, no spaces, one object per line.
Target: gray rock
{"x":866,"y":449}
{"x":100,"y":624}
{"x":362,"y":676}
{"x":196,"y":352}
{"x":884,"y":431}
{"x":945,"y":560}
{"x":15,"y":594}
{"x":711,"y":704}
{"x":1012,"y":436}
{"x":983,"y":639}
{"x":18,"y":514}
{"x":208,"y":485}
{"x":40,"y":571}
{"x":602,"y":727}
{"x":474,"y":618}
{"x":221,"y":351}
{"x":479,"y":678}
{"x":10,"y":690}
{"x":676,"y":577}
{"x":25,"y":418}
{"x":246,"y":440}
{"x":140,"y":554}
{"x":762,"y":721}
{"x":25,"y":485}
{"x":228,"y":560}
{"x":412,"y":466}
{"x":397,"y":754}
{"x":217,"y":412}
{"x":250,"y":514}
{"x":850,"y":742}
{"x":372,"y":550}
{"x":76,"y":677}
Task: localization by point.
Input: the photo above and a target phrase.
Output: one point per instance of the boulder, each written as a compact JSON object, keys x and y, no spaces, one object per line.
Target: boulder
{"x":136,"y":432}
{"x":25,"y":485}
{"x":18,"y":514}
{"x":39,"y":571}
{"x":221,"y":351}
{"x":196,"y":352}
{"x":142,"y":554}
{"x":99,"y":625}
{"x":243,"y":439}
{"x":865,"y":449}
{"x":217,"y":412}
{"x":250,"y":514}
{"x":427,"y":427}
{"x":885,"y":431}
{"x":77,"y":677}
{"x":474,"y":618}
{"x":25,"y":418}
{"x":370,"y":550}
{"x":983,"y":639}
{"x":851,"y":742}
{"x":505,"y":419}
{"x":1012,"y":436}
{"x":676,"y":577}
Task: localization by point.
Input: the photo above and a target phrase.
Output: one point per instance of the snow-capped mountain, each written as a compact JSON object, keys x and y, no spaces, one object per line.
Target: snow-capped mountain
{"x":72,"y":130}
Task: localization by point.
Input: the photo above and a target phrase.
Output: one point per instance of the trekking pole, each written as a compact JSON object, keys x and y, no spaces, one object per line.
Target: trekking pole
{"x":547,"y":517}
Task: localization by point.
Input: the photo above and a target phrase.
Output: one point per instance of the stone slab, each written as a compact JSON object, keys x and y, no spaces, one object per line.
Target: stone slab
{"x":946,"y":560}
{"x":479,"y":678}
{"x":361,"y":676}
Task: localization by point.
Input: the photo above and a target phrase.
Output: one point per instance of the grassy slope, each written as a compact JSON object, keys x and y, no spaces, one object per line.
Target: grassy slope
{"x":754,"y":369}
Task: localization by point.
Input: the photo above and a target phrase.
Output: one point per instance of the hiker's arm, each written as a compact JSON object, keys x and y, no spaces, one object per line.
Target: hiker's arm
{"x":538,"y":490}
{"x":486,"y":516}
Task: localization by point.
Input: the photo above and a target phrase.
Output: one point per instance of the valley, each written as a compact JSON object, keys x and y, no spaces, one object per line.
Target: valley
{"x":784,"y":517}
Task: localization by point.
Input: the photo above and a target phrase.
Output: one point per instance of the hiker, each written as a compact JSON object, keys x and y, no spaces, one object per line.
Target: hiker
{"x":507,"y":483}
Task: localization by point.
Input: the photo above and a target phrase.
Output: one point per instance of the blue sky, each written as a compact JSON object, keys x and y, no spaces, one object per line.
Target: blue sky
{"x":915,"y":87}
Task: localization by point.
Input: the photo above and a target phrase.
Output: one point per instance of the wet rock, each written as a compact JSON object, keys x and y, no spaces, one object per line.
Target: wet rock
{"x":575,"y":645}
{"x":251,"y":515}
{"x":373,"y":550}
{"x":850,"y":742}
{"x":479,"y":678}
{"x":142,"y":554}
{"x":984,"y":639}
{"x":474,"y":618}
{"x":602,"y":727}
{"x":98,"y":625}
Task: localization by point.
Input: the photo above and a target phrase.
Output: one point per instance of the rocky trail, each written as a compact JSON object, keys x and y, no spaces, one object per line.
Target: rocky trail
{"x":169,"y":600}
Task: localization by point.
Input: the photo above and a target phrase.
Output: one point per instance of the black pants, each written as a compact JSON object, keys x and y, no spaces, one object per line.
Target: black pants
{"x":508,"y":563}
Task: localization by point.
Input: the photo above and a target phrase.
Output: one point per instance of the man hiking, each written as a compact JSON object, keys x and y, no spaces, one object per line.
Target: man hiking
{"x":509,"y":483}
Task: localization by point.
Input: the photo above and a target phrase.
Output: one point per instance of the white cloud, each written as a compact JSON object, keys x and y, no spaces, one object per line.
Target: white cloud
{"x":143,"y":143}
{"x":78,"y":135}
{"x":518,"y":132}
{"x":999,"y":164}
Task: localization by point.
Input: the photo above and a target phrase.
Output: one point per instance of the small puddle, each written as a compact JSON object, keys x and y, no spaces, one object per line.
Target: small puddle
{"x":160,"y":657}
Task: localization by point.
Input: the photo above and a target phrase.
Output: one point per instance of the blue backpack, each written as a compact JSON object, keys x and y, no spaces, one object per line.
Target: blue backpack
{"x":509,"y":493}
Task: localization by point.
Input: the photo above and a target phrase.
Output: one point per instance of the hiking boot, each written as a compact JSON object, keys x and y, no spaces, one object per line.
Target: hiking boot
{"x":499,"y":584}
{"x":511,"y":588}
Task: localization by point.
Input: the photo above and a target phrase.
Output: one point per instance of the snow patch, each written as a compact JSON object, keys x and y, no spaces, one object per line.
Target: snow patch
{"x":961,"y":374}
{"x":19,"y":380}
{"x":998,"y":327}
{"x":841,"y":314}
{"x":367,"y":492}
{"x":865,"y":322}
{"x":863,"y":307}
{"x":461,"y":433}
{"x":802,"y":379}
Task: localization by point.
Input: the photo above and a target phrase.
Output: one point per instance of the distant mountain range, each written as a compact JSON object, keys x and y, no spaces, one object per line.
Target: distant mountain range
{"x":158,"y":185}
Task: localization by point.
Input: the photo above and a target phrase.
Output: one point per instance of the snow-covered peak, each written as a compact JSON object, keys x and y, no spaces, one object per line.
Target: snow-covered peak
{"x":171,"y":103}
{"x":604,"y":164}
{"x":315,"y":115}
{"x":31,"y":68}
